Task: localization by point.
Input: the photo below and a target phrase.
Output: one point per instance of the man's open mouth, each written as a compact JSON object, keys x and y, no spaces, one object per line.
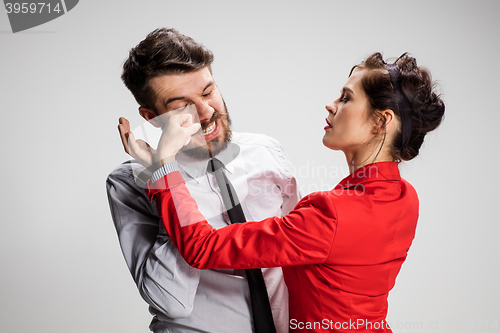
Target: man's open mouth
{"x":209,"y":130}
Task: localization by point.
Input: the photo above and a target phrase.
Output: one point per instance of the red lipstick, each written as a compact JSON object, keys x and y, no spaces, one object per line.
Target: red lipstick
{"x":328,"y":125}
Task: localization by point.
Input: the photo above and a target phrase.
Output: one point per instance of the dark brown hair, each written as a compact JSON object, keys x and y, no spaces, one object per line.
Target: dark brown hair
{"x":426,"y":106}
{"x":162,"y":52}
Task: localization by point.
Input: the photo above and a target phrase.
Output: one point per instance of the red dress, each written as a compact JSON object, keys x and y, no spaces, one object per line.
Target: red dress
{"x":340,"y":250}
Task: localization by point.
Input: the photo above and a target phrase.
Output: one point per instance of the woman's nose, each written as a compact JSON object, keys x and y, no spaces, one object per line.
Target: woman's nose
{"x":331,"y":108}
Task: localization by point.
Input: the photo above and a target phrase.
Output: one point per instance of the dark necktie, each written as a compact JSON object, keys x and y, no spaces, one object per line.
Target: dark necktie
{"x":261,"y":309}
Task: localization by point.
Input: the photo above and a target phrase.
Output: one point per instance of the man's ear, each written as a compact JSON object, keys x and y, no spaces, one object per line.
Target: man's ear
{"x":150,"y":116}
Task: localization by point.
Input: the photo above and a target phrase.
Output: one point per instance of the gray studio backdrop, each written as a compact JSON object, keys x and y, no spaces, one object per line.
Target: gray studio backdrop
{"x":277,"y":63}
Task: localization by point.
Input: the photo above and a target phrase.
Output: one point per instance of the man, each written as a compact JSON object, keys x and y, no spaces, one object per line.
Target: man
{"x":168,"y":72}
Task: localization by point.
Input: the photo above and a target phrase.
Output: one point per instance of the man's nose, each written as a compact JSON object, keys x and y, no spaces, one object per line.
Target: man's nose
{"x":205,"y":111}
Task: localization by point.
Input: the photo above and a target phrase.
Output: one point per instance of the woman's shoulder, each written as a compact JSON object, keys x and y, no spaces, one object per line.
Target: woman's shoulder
{"x":321,"y":200}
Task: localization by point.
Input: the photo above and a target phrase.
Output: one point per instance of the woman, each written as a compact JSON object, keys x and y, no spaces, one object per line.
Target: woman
{"x":340,"y":250}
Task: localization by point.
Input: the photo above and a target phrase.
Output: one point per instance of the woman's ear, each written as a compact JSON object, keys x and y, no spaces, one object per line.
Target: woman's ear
{"x":389,"y":118}
{"x":150,"y":116}
{"x":384,"y":120}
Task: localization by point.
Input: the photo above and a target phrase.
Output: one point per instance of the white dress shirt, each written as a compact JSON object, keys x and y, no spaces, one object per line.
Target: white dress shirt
{"x":182,"y":298}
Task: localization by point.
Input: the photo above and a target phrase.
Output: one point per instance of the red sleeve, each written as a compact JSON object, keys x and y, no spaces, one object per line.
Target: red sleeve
{"x":304,"y":236}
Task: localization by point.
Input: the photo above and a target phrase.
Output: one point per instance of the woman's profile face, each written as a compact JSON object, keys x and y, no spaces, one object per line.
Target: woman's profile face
{"x":348,"y":126}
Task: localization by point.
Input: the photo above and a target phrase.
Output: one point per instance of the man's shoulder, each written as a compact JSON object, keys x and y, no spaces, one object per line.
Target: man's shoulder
{"x":256,"y":140}
{"x":131,"y":172}
{"x":124,"y":170}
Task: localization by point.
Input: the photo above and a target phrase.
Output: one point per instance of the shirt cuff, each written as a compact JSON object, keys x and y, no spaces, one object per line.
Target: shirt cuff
{"x":164,"y":178}
{"x":164,"y":170}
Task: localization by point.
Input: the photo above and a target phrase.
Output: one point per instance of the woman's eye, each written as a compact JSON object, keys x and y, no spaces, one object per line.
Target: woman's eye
{"x":344,"y":99}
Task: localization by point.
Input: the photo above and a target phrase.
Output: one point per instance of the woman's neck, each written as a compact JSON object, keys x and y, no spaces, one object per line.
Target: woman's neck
{"x":356,"y":160}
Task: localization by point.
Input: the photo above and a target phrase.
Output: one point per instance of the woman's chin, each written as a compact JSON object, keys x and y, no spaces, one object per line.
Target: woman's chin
{"x":331,"y":145}
{"x":327,"y":143}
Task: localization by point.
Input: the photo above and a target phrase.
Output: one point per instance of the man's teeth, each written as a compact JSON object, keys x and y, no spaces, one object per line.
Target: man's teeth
{"x":209,"y":129}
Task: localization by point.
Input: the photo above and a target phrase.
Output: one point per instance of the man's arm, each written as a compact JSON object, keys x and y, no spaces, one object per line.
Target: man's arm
{"x":165,"y":281}
{"x":288,"y":184}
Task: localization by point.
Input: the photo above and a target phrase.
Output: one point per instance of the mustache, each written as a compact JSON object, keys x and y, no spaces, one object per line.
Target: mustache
{"x":215,"y":116}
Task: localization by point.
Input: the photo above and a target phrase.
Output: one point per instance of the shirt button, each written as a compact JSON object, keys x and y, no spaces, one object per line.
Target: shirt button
{"x":226,"y":217}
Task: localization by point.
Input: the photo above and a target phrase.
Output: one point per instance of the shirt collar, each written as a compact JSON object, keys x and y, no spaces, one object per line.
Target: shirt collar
{"x":196,"y":168}
{"x":228,"y":155}
{"x":371,"y":172}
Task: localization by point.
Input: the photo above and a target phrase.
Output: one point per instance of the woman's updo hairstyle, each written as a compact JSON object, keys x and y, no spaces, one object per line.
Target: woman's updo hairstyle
{"x":424,"y":108}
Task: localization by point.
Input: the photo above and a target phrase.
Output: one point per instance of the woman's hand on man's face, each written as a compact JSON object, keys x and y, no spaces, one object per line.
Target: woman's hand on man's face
{"x":177,"y":132}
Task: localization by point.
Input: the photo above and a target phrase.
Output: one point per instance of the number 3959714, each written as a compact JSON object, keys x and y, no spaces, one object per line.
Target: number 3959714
{"x":31,"y":7}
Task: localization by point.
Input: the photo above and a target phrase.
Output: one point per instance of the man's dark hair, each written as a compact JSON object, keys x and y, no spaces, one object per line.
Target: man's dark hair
{"x":162,"y":52}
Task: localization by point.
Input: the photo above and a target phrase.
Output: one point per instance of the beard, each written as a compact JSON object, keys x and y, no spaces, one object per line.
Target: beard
{"x":208,"y":149}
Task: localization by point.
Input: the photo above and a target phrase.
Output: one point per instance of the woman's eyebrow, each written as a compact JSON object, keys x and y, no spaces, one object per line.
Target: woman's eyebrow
{"x":347,"y":89}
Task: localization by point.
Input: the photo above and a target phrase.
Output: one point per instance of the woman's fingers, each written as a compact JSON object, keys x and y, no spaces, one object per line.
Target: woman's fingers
{"x":187,"y":128}
{"x":177,"y":133}
{"x":186,"y":122}
{"x":191,"y":130}
{"x":185,"y":119}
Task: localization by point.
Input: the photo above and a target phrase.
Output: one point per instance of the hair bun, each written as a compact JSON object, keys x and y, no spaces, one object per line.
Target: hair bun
{"x":426,"y":106}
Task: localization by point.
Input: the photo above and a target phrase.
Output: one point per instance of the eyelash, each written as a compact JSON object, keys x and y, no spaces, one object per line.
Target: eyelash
{"x":204,"y":96}
{"x":344,"y":99}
